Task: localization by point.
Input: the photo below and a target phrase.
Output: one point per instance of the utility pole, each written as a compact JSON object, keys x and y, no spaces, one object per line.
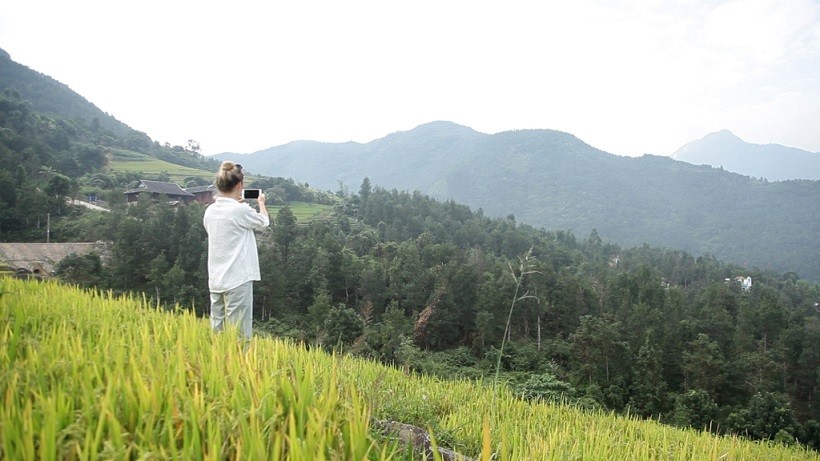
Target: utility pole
{"x":48,"y":227}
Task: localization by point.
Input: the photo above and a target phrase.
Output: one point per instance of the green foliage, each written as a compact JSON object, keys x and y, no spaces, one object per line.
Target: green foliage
{"x":696,"y":409}
{"x":85,"y":271}
{"x":342,"y":326}
{"x":59,"y":186}
{"x":704,"y":365}
{"x":545,"y":386}
{"x":388,"y":335}
{"x":648,"y":393}
{"x":766,"y":416}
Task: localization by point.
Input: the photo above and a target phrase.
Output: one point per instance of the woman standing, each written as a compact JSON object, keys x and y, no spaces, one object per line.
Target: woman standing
{"x":233,"y":260}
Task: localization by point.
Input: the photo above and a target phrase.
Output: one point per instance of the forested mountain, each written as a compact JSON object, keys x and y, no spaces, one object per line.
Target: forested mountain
{"x":554,"y":180}
{"x":53,"y":98}
{"x":771,"y":161}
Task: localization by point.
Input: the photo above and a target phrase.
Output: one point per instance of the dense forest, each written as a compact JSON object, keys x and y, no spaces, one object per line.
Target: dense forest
{"x":436,"y":287}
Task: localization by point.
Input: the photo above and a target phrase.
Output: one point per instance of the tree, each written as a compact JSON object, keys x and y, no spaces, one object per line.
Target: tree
{"x":129,"y":259}
{"x":766,"y":415}
{"x":342,"y":326}
{"x":285,"y":230}
{"x":545,"y":386}
{"x":156,"y":276}
{"x":410,"y":285}
{"x":387,"y":335}
{"x":704,"y":365}
{"x":718,"y":308}
{"x":365,"y":189}
{"x":594,"y":247}
{"x":89,"y":158}
{"x":59,"y":186}
{"x":694,"y":408}
{"x":648,"y":386}
{"x":83,"y":270}
{"x":8,"y":201}
{"x":8,"y":190}
{"x":492,"y":302}
{"x":318,"y":313}
{"x":597,"y":347}
{"x":811,"y":434}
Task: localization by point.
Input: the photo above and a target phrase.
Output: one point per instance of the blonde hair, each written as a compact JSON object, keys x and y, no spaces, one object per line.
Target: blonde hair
{"x":229,"y":175}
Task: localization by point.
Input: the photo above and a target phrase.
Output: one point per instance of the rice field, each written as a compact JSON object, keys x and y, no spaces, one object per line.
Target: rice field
{"x":88,"y":376}
{"x":127,"y":161}
{"x":303,"y":211}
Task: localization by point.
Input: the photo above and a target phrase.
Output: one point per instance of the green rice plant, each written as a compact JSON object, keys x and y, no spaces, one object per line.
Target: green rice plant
{"x":304,"y":211}
{"x":87,"y":375}
{"x":90,"y":376}
{"x":128,"y":161}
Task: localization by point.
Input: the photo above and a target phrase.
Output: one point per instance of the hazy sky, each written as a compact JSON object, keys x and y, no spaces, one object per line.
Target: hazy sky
{"x":644,"y":76}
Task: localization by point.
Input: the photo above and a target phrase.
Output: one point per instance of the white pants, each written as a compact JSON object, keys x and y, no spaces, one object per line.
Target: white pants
{"x":235,"y":307}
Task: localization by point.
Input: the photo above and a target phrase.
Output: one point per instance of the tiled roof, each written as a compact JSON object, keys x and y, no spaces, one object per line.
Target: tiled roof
{"x":45,"y":255}
{"x":159,"y":187}
{"x":199,"y":189}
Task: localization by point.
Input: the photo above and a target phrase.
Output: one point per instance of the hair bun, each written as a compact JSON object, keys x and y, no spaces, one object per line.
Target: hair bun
{"x":227,"y":165}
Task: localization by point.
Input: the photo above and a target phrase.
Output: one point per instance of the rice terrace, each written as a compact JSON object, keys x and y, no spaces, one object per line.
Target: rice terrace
{"x":89,"y":375}
{"x":128,"y":161}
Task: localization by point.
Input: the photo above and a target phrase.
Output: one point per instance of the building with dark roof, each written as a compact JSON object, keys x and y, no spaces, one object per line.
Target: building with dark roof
{"x":159,"y":190}
{"x":203,"y":194}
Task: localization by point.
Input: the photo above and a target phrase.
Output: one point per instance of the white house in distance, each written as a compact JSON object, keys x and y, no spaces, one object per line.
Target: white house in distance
{"x":744,"y":282}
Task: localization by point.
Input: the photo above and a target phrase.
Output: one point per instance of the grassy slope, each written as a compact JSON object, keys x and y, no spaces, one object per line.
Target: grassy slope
{"x":128,"y":161}
{"x":304,"y":211}
{"x":87,"y":375}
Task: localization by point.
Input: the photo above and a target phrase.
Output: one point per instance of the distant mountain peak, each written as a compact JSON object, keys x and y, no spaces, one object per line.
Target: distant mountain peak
{"x":439,"y":130}
{"x":442,"y":127}
{"x":723,"y":135}
{"x":441,"y":124}
{"x":772,"y":161}
{"x":717,"y":140}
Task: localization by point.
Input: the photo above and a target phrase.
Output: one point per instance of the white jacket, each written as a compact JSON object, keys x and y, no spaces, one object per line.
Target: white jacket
{"x":232,"y":255}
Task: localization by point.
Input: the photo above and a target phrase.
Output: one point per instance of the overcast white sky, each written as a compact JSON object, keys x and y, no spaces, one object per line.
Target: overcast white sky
{"x":628,"y":77}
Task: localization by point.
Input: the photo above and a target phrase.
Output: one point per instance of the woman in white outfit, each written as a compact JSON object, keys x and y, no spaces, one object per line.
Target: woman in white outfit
{"x":233,"y":261}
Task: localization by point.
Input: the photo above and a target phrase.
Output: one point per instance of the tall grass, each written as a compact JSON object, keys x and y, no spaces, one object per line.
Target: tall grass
{"x":89,"y":376}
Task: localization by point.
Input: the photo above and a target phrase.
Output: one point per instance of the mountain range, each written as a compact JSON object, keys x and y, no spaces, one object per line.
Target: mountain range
{"x":554,"y":180}
{"x":544,"y":178}
{"x":771,"y":161}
